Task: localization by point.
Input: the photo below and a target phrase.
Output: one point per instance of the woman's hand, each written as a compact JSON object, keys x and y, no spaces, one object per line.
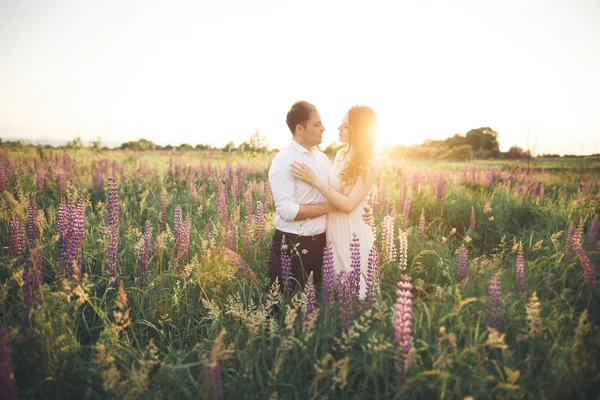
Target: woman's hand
{"x":304,"y":172}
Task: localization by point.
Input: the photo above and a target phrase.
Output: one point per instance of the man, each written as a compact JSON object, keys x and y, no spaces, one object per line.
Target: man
{"x":301,"y":209}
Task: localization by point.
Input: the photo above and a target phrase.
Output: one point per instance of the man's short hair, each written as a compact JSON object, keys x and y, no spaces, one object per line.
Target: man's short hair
{"x":299,"y":114}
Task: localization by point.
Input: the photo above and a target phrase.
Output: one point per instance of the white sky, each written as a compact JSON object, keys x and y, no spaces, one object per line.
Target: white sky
{"x":213,"y":71}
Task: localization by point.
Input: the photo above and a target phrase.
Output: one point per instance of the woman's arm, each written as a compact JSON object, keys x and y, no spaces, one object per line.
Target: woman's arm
{"x":345,"y":204}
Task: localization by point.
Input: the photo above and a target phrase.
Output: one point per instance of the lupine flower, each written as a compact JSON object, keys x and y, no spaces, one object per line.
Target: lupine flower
{"x":463,"y":262}
{"x":239,"y":262}
{"x":403,"y":323}
{"x":344,"y":294}
{"x":309,"y":299}
{"x":389,"y":245}
{"x":569,"y":242}
{"x":112,"y":229}
{"x":405,"y":213}
{"x":222,"y":205}
{"x":259,"y":222}
{"x":593,"y":233}
{"x":163,"y":210}
{"x":32,"y":286}
{"x":403,"y":250}
{"x":16,"y":238}
{"x":286,"y":266}
{"x":473,"y":222}
{"x":2,"y":176}
{"x":520,"y":270}
{"x":8,"y":386}
{"x":235,"y":187}
{"x":355,"y":275}
{"x":328,"y":274}
{"x":181,"y":232}
{"x":494,"y":302}
{"x":421,"y":226}
{"x":588,"y":269}
{"x":441,"y":186}
{"x":98,"y":180}
{"x":249,"y":217}
{"x":144,"y":254}
{"x":32,"y":226}
{"x":193,"y":188}
{"x":372,"y":277}
{"x":578,"y":234}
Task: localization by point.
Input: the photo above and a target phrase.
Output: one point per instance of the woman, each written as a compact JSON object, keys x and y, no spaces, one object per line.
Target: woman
{"x":355,"y":170}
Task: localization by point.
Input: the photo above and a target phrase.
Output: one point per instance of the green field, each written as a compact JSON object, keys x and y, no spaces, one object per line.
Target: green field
{"x":197,"y":323}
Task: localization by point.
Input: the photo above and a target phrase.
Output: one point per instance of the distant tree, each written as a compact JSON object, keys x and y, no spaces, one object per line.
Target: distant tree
{"x":257,"y":143}
{"x":184,"y":147}
{"x":229,"y":147}
{"x":141,"y":144}
{"x":333,"y":148}
{"x":517,"y":153}
{"x":96,"y":143}
{"x":202,"y":147}
{"x":485,"y":139}
{"x":76,"y":143}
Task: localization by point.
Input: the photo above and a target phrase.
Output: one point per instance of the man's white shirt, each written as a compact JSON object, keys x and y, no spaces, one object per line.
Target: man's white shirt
{"x":289,"y":192}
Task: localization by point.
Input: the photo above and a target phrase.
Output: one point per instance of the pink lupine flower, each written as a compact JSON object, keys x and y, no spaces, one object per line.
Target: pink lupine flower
{"x":494,"y":302}
{"x":405,"y":214}
{"x":355,"y":274}
{"x":389,"y":245}
{"x":32,"y":226}
{"x":259,"y":222}
{"x":144,"y":254}
{"x":403,"y":324}
{"x":16,"y":238}
{"x":520,"y":270}
{"x":463,"y":262}
{"x":569,"y":249}
{"x":421,"y":226}
{"x":473,"y":222}
{"x":372,"y":273}
{"x":588,"y":269}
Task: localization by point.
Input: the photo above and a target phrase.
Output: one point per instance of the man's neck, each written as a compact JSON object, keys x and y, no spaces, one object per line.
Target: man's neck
{"x":301,"y":143}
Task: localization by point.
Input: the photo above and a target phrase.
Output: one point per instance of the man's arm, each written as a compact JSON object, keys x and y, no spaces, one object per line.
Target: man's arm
{"x":308,"y":211}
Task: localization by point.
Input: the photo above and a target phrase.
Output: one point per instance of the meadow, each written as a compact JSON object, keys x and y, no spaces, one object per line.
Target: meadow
{"x":143,"y":275}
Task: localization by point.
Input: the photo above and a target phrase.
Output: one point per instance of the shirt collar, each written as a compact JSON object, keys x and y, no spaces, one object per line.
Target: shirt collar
{"x":299,"y":148}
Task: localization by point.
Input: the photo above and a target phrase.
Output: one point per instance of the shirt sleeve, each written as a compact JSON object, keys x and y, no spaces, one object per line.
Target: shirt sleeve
{"x":283,"y":189}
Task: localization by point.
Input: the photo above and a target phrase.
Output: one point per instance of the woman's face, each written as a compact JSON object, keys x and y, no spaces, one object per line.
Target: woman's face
{"x":344,"y":136}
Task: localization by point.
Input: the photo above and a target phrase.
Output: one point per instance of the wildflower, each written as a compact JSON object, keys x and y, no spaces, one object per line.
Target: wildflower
{"x":593,"y":233}
{"x":2,"y":176}
{"x":32,"y":226}
{"x":355,"y":265}
{"x":389,"y":246}
{"x":328,"y":275}
{"x":112,"y":229}
{"x":421,"y":226}
{"x":473,"y":222}
{"x":344,"y":291}
{"x":8,"y":386}
{"x":588,"y":269}
{"x":372,"y":274}
{"x":494,"y":302}
{"x":405,"y":213}
{"x":520,"y":270}
{"x":163,"y":210}
{"x":259,"y":222}
{"x":488,"y":208}
{"x":463,"y":260}
{"x":309,"y":298}
{"x":16,"y":238}
{"x":144,"y":254}
{"x":491,"y":218}
{"x":569,"y":248}
{"x":286,"y":266}
{"x":234,"y":258}
{"x":403,"y":323}
{"x":467,"y":239}
{"x":534,"y":322}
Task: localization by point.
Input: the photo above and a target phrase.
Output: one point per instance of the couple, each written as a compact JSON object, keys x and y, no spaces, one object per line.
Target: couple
{"x":319,"y":203}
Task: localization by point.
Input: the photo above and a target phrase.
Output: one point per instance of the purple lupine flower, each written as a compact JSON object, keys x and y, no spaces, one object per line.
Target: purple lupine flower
{"x":403,"y":250}
{"x":328,"y":275}
{"x":32,"y":226}
{"x":177,"y":220}
{"x":235,"y":187}
{"x":344,"y":294}
{"x":569,"y":242}
{"x":473,"y":222}
{"x":222,"y":205}
{"x":144,"y":254}
{"x":421,"y":226}
{"x":405,"y":214}
{"x":463,"y":262}
{"x":588,"y":269}
{"x":372,"y":278}
{"x":494,"y":302}
{"x":32,"y":286}
{"x":403,"y":323}
{"x":286,"y":266}
{"x":355,"y":275}
{"x":239,"y":262}
{"x":268,"y":195}
{"x":309,"y":299}
{"x":8,"y":386}
{"x":16,"y":238}
{"x":593,"y":233}
{"x":441,"y":186}
{"x":2,"y":176}
{"x":249,"y":216}
{"x":259,"y":222}
{"x":112,"y":229}
{"x":520,"y":270}
{"x":163,"y":210}
{"x":98,"y":180}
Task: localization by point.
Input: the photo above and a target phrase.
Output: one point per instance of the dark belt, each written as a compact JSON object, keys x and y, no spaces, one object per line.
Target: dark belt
{"x":294,"y":237}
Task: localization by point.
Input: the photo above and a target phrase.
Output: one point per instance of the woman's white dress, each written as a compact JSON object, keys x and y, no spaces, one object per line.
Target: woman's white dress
{"x":341,"y":226}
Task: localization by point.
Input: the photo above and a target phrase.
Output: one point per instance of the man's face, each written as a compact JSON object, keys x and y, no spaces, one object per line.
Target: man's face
{"x":344,"y":136}
{"x":313,"y":133}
